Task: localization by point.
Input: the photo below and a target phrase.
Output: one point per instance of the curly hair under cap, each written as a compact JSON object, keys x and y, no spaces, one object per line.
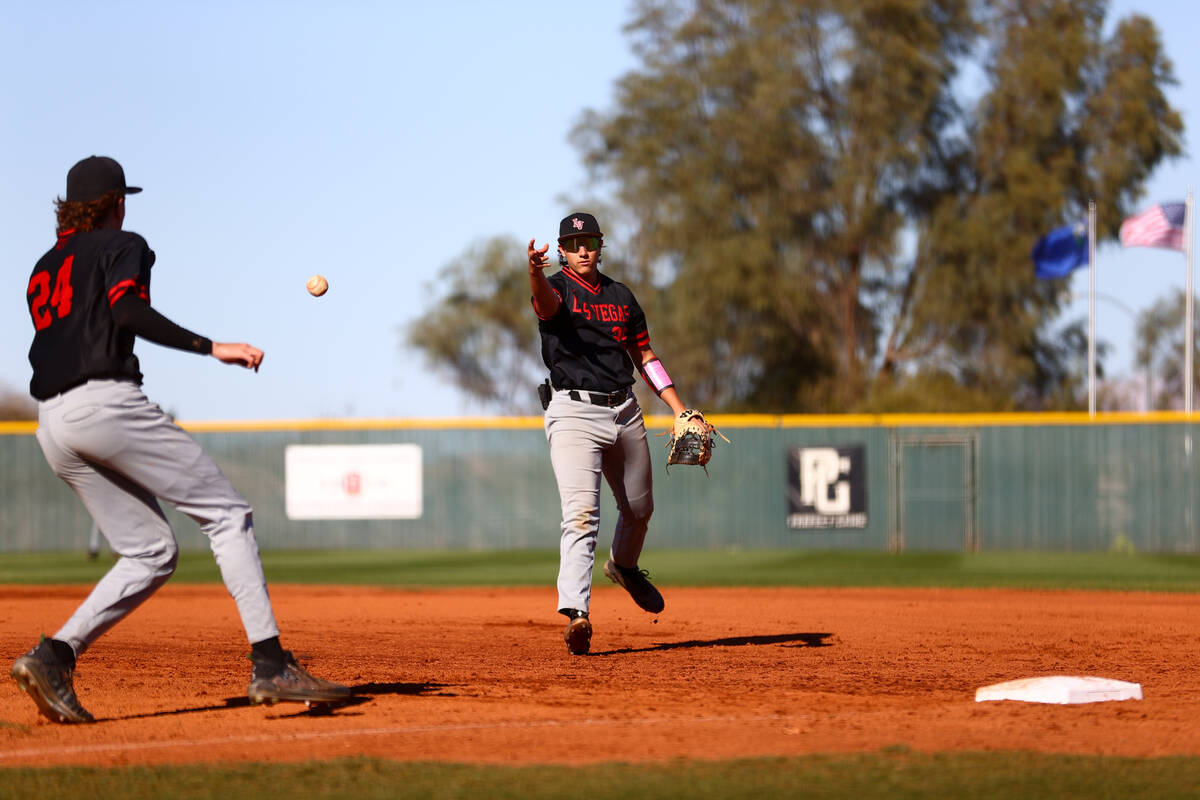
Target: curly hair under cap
{"x":87,"y":216}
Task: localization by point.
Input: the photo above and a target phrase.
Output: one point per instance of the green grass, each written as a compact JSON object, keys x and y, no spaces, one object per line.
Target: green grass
{"x":1100,"y":571}
{"x":893,"y":773}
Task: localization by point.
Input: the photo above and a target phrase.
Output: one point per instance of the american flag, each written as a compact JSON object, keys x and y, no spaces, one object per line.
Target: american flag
{"x":1157,"y":226}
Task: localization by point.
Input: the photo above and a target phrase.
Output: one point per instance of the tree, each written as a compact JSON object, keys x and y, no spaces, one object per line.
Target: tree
{"x":1067,"y":116}
{"x":832,"y":204}
{"x":481,"y":333}
{"x":1160,"y":349}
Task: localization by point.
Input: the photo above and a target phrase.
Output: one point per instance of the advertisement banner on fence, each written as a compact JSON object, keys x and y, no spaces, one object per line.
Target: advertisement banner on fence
{"x":370,"y":481}
{"x":827,"y":487}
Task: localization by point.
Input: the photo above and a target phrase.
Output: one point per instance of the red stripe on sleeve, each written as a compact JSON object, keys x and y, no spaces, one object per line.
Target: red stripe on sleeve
{"x":535,"y":311}
{"x":119,"y":290}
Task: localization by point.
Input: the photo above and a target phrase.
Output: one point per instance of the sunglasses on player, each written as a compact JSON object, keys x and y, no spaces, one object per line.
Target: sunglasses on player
{"x":590,"y":243}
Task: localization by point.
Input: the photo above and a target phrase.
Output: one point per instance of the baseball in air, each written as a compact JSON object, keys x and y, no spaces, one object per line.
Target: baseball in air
{"x":317,"y":285}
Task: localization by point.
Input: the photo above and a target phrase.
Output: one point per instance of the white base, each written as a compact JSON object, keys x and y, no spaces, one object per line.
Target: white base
{"x":1062,"y":689}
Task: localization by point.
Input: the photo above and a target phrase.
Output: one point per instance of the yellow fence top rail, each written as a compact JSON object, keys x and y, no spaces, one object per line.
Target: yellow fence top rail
{"x":722,"y":421}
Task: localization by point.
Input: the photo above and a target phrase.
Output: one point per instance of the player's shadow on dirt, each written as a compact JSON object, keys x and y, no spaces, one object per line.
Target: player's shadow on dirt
{"x":362,"y":693}
{"x":784,"y":639}
{"x":415,"y":689}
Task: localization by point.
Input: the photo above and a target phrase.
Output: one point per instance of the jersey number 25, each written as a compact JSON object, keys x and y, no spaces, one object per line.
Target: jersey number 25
{"x":60,"y":298}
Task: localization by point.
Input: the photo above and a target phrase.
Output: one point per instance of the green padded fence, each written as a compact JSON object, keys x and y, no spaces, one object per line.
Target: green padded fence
{"x":952,"y":483}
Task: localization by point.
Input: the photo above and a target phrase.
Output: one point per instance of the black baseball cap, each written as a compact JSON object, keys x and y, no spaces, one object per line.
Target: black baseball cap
{"x":93,"y":177}
{"x":578,"y":223}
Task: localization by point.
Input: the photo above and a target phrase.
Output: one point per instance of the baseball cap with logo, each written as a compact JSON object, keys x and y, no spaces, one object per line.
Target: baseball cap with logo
{"x":578,"y":223}
{"x":94,"y":176}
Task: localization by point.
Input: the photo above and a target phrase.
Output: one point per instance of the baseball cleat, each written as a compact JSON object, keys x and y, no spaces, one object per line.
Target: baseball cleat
{"x":578,"y":634}
{"x":271,"y":684}
{"x":50,"y":684}
{"x":636,"y":582}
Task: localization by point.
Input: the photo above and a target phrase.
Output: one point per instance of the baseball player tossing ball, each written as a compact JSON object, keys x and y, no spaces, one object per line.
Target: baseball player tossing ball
{"x":89,"y":297}
{"x":593,"y":338}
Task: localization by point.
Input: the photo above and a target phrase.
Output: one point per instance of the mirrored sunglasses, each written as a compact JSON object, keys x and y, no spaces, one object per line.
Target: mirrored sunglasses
{"x":590,"y":243}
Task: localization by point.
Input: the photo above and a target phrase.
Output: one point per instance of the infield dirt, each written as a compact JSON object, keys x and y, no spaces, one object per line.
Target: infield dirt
{"x":482,"y":675}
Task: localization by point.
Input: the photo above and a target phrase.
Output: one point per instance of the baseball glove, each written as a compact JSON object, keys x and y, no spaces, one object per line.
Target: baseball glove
{"x":691,"y":441}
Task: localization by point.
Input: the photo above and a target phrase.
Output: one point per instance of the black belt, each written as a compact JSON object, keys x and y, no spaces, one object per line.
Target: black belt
{"x":610,"y":399}
{"x":75,"y":384}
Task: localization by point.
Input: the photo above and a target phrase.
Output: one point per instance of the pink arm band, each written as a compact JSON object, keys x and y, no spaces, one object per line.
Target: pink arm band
{"x":656,"y":375}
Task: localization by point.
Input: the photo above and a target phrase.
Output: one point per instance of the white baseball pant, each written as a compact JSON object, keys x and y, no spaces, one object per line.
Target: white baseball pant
{"x":119,"y":452}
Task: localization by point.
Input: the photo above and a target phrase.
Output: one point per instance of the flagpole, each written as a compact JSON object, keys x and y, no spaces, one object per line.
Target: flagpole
{"x":1092,"y":308}
{"x":1189,"y":329}
{"x":1187,"y":437}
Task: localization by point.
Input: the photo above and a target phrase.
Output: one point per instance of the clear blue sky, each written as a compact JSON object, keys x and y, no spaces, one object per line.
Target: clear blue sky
{"x":372,"y":142}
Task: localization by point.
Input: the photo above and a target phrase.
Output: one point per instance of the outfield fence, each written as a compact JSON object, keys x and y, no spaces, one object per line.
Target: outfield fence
{"x":867,"y":482}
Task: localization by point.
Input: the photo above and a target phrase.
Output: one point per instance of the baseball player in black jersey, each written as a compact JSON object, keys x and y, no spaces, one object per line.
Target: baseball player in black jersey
{"x":594,"y":338}
{"x":89,"y":297}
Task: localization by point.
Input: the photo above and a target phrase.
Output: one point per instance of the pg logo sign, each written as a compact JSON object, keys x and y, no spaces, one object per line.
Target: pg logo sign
{"x":827,"y":487}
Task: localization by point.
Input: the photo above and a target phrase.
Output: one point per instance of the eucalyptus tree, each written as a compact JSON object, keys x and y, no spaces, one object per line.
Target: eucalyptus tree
{"x":829,"y":206}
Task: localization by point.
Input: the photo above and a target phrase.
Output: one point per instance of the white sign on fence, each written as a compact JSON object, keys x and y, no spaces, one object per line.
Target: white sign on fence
{"x":370,"y":481}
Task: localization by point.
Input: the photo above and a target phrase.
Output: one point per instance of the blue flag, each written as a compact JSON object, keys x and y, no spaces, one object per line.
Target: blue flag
{"x":1060,"y":251}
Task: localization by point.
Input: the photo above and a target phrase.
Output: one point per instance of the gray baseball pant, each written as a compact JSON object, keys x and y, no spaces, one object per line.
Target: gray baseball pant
{"x":118,"y":452}
{"x":587,"y":441}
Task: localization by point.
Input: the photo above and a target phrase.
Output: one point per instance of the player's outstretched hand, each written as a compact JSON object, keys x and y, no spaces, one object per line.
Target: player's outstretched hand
{"x":537,"y":257}
{"x":241,"y":353}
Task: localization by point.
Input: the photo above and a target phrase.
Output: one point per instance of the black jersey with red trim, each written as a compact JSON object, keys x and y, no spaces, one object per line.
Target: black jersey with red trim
{"x":70,"y":295}
{"x":587,"y":343}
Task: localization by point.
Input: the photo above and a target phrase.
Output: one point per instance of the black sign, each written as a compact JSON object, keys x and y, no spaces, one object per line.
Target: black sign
{"x":827,"y":487}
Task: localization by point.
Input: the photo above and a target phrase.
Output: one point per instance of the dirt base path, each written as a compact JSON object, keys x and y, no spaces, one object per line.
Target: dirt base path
{"x":482,"y":675}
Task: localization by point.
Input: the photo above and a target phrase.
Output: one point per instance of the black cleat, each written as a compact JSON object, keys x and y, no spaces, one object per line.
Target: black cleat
{"x":50,"y":684}
{"x":270,"y":684}
{"x":578,"y":634}
{"x":636,"y":582}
